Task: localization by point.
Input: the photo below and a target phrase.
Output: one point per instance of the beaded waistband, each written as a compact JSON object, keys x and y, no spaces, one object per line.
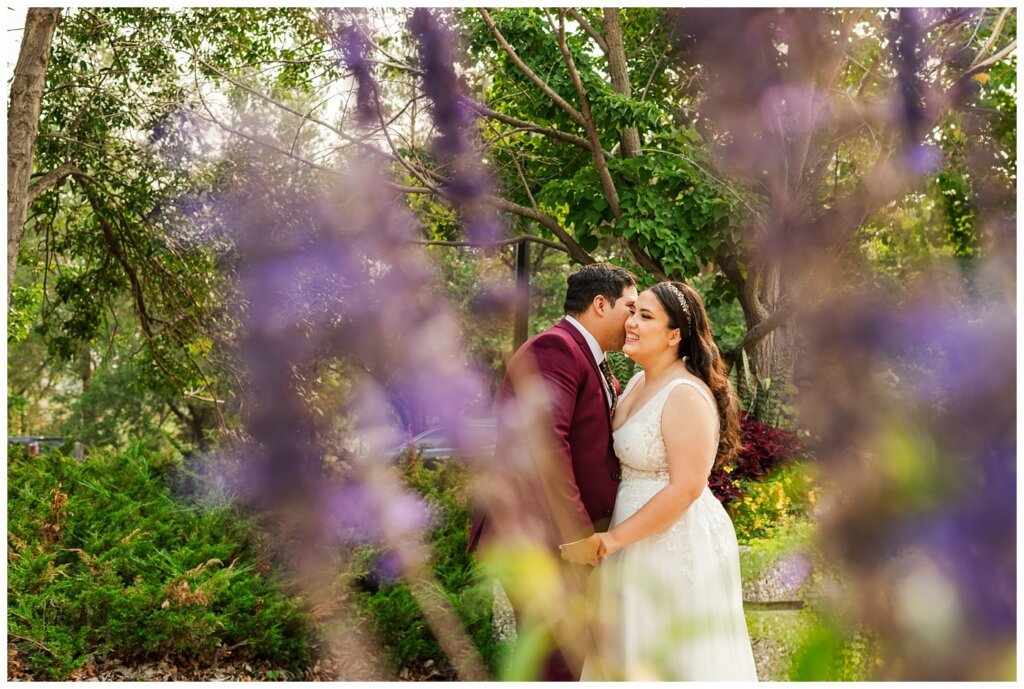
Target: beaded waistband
{"x":629,"y":472}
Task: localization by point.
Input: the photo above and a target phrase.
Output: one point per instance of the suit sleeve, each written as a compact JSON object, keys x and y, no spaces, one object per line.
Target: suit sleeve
{"x":560,"y":369}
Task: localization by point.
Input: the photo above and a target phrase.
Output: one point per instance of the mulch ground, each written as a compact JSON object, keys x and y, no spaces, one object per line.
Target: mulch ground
{"x":339,"y":665}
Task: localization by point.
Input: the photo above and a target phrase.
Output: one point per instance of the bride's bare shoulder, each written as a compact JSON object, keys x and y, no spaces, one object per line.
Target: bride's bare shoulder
{"x":690,"y":398}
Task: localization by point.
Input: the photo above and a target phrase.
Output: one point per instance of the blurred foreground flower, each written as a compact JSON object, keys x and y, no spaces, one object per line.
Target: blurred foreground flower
{"x":909,"y":397}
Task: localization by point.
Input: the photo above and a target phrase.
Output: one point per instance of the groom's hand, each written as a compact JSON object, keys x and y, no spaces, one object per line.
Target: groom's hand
{"x":583,"y":551}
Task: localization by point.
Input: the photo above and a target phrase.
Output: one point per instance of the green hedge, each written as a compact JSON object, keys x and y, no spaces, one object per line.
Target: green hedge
{"x":390,"y":606}
{"x":102,"y":559}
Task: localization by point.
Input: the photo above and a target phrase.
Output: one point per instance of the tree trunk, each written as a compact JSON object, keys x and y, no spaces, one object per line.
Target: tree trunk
{"x":619,"y":74}
{"x":772,"y":357}
{"x":88,"y":411}
{"x":23,"y":123}
{"x":200,"y":420}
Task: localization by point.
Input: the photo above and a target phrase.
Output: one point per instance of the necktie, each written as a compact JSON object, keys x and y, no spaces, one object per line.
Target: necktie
{"x":606,"y":370}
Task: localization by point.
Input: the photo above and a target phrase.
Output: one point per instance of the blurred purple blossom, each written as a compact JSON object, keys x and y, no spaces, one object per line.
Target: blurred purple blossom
{"x":906,"y":41}
{"x":973,"y":542}
{"x":454,"y":119}
{"x":352,"y":42}
{"x":387,"y":566}
{"x":908,"y":394}
{"x":363,"y":512}
{"x":794,"y":571}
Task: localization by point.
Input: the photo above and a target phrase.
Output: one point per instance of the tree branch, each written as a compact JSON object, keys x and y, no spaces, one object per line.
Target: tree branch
{"x":984,"y":64}
{"x":578,"y":253}
{"x":997,"y":30}
{"x":746,"y":289}
{"x":528,"y":126}
{"x":761,"y":331}
{"x":504,"y":242}
{"x":50,"y":179}
{"x":611,"y":194}
{"x":540,"y":83}
{"x":591,"y":31}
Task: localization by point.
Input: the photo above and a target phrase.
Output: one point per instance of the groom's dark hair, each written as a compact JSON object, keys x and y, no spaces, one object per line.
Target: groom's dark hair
{"x":592,"y":280}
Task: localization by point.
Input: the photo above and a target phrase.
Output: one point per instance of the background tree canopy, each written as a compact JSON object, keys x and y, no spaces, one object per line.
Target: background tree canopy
{"x":608,"y":134}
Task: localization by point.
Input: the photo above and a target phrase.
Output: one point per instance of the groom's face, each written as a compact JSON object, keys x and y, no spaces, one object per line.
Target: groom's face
{"x":616,"y":319}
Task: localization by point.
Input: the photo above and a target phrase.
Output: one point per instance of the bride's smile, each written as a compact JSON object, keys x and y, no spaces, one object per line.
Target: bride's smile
{"x":648,"y":336}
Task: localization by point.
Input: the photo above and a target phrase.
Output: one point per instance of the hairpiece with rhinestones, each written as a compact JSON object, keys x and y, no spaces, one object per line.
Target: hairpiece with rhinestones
{"x":682,"y":302}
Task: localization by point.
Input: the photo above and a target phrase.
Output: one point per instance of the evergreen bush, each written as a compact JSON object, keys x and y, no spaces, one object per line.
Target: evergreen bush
{"x":103,"y":560}
{"x":389,"y":602}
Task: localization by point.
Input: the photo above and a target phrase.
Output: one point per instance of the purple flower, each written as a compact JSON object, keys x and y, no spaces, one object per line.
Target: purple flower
{"x":354,"y":46}
{"x":454,"y":117}
{"x":794,"y":571}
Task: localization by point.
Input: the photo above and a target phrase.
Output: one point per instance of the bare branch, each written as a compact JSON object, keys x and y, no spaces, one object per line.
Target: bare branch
{"x":578,"y":253}
{"x":344,"y":135}
{"x":985,"y":64}
{"x":997,"y":31}
{"x":650,"y":78}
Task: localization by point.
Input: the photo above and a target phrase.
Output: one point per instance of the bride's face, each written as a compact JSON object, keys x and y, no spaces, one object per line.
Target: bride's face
{"x":647,"y":333}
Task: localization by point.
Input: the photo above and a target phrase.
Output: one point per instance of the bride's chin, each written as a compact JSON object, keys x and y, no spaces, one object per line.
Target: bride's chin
{"x":632,"y":351}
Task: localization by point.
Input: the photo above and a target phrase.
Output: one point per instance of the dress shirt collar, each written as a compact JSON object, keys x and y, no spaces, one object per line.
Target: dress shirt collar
{"x":595,"y":349}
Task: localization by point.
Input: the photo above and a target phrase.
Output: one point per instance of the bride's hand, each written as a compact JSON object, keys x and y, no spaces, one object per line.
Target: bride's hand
{"x":608,"y":545}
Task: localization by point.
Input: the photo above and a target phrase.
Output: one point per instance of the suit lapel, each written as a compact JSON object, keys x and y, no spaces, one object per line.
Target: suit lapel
{"x":582,"y":342}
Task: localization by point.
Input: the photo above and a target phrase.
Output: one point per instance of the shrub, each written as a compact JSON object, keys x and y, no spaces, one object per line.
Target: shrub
{"x":774,"y":503}
{"x":390,"y":604}
{"x":102,"y":559}
{"x":764,"y":449}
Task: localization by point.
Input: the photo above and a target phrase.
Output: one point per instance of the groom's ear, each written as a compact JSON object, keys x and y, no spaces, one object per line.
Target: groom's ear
{"x":599,"y":303}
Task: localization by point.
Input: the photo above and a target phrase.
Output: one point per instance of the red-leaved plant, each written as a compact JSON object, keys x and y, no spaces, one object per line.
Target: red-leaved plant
{"x":764,"y":448}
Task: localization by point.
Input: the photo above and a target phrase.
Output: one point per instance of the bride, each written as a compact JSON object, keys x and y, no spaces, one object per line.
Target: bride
{"x":670,"y":604}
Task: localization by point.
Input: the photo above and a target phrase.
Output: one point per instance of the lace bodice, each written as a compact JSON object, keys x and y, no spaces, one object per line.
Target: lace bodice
{"x":639,"y":444}
{"x":640,"y":447}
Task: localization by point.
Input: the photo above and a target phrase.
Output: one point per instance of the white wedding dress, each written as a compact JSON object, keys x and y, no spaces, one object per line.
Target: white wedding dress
{"x":670,"y":606}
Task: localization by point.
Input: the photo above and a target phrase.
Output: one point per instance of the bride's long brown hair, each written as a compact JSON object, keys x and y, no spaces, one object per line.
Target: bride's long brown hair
{"x":705,"y":360}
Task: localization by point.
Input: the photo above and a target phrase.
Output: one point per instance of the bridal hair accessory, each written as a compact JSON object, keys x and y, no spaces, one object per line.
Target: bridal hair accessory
{"x":682,"y":302}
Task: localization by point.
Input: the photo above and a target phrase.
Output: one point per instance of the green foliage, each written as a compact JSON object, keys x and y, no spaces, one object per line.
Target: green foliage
{"x":819,"y":647}
{"x":103,"y":560}
{"x":670,"y":205}
{"x":782,"y":499}
{"x":22,"y":311}
{"x":792,"y":536}
{"x":392,"y":608}
{"x":829,"y":653}
{"x":118,"y":404}
{"x":623,"y":368}
{"x":119,"y":245}
{"x":723,"y":309}
{"x":829,"y":648}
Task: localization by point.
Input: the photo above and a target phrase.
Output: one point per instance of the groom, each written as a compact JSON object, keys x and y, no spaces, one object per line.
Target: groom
{"x":570,"y":359}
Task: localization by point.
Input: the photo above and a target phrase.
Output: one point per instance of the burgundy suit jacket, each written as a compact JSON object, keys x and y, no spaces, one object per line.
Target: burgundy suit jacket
{"x":582,"y":429}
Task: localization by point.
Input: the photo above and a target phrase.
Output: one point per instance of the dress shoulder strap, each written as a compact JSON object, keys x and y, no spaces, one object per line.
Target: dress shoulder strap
{"x":703,"y":393}
{"x":632,"y":383}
